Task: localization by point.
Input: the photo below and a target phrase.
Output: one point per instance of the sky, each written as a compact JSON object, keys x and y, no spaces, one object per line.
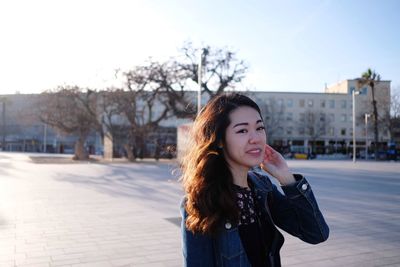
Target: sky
{"x":295,"y":46}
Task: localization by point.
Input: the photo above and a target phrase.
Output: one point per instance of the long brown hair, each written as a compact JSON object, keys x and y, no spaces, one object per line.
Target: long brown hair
{"x":206,"y":176}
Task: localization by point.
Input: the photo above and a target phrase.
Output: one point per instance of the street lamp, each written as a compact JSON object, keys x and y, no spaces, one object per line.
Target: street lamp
{"x":45,"y":138}
{"x":203,"y":54}
{"x":354,"y":93}
{"x":366,"y":134}
{"x":199,"y":82}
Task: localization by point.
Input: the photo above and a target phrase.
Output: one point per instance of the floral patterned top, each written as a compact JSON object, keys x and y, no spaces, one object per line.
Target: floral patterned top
{"x":249,"y":227}
{"x":245,"y":202}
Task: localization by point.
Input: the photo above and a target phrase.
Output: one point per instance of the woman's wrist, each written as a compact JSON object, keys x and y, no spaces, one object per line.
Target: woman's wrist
{"x":286,"y":179}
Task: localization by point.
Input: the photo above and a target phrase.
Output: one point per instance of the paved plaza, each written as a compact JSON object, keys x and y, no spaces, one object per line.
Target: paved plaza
{"x":126,"y":214}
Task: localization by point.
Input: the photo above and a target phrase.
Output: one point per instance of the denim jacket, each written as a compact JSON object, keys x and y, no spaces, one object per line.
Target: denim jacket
{"x":295,"y":212}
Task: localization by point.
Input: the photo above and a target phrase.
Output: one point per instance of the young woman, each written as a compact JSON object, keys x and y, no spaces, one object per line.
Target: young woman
{"x":230,"y":213}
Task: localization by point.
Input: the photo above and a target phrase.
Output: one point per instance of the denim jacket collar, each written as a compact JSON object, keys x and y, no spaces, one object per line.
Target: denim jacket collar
{"x":260,"y":186}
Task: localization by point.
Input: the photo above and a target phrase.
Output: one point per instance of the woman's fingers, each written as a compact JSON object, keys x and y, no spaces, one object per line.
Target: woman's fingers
{"x":267,"y":156}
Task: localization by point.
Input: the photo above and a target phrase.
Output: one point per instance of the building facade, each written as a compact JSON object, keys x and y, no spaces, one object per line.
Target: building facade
{"x":317,"y":123}
{"x":21,"y":130}
{"x":323,"y":122}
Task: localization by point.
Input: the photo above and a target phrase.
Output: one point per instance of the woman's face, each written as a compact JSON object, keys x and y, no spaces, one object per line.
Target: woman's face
{"x":245,"y":138}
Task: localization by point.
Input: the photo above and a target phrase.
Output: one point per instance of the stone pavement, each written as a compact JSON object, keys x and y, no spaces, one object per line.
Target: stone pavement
{"x":118,"y":214}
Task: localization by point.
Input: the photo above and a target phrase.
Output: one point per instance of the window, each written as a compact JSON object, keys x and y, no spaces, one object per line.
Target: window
{"x":331,"y":117}
{"x":280,"y":103}
{"x":322,"y":131}
{"x":322,"y":103}
{"x":331,"y":131}
{"x":310,"y":103}
{"x":301,"y":103}
{"x":332,"y":103}
{"x":289,"y":131}
{"x":289,"y":116}
{"x":302,"y":116}
{"x":343,"y":131}
{"x":310,"y":117}
{"x":301,"y":130}
{"x":322,"y":117}
{"x":350,"y":118}
{"x":289,"y":103}
{"x":364,"y":91}
{"x":343,"y":118}
{"x":343,"y":104}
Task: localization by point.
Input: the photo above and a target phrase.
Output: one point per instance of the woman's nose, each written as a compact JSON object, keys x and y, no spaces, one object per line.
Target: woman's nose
{"x":254,"y":137}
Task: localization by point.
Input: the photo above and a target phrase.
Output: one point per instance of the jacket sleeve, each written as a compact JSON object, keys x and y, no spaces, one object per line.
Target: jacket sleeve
{"x":197,"y":248}
{"x":297,"y":212}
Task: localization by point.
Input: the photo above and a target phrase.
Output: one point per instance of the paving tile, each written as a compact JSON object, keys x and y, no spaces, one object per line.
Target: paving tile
{"x":127,"y":215}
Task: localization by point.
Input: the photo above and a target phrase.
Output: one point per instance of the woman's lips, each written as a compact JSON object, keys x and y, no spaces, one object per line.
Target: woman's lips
{"x":255,"y":152}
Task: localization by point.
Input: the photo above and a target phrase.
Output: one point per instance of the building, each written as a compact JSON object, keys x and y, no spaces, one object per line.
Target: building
{"x":323,"y":122}
{"x":21,"y":130}
{"x":295,"y":122}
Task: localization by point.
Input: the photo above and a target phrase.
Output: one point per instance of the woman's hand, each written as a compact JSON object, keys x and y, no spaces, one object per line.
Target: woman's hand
{"x":275,"y":165}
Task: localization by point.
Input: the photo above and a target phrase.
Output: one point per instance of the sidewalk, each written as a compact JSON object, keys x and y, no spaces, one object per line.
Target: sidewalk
{"x":87,"y":214}
{"x":120,"y":214}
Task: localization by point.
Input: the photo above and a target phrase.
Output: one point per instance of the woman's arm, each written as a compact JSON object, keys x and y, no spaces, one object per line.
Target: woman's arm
{"x":296,"y":211}
{"x":197,"y":248}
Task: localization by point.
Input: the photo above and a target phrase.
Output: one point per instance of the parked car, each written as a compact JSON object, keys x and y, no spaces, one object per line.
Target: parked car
{"x":304,"y":156}
{"x":391,"y":154}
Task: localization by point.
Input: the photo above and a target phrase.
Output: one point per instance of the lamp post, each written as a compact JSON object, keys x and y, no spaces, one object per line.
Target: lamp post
{"x":366,"y":135}
{"x":199,"y":82}
{"x":203,"y":54}
{"x":354,"y":93}
{"x":45,"y":138}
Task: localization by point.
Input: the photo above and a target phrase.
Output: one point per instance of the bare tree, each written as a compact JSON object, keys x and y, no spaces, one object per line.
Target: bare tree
{"x":114,"y":124}
{"x":109,"y":111}
{"x":172,"y":81}
{"x":394,"y":122}
{"x":148,"y":98}
{"x":71,"y":110}
{"x":315,"y":125}
{"x":274,"y":116}
{"x":391,"y":118}
{"x":221,"y":68}
{"x":395,"y":103}
{"x":162,"y":87}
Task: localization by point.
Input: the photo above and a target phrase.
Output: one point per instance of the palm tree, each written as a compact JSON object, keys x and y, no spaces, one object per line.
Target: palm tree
{"x":371,"y":78}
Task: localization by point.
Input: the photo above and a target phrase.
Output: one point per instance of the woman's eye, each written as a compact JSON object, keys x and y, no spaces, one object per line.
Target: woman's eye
{"x":260,"y":128}
{"x":242,"y":131}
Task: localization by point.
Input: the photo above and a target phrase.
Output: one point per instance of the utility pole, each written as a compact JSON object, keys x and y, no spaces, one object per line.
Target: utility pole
{"x":366,"y":135}
{"x":354,"y":93}
{"x":203,"y":54}
{"x":200,"y":66}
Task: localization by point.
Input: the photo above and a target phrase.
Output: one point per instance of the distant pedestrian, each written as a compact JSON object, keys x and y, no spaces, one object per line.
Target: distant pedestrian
{"x":230,"y":211}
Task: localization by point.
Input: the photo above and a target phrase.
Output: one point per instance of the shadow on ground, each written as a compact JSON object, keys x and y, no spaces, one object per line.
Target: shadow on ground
{"x":154,"y":185}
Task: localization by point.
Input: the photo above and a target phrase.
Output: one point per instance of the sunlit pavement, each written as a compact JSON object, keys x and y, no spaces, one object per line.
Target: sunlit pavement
{"x":121,"y":214}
